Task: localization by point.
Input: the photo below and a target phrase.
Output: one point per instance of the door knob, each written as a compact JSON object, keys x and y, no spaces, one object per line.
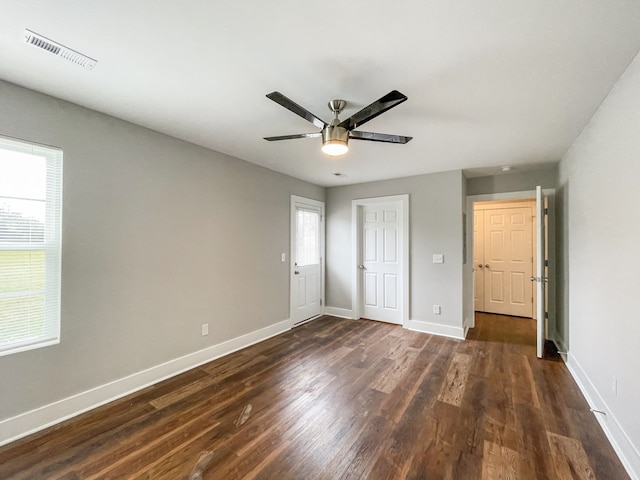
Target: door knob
{"x":486,"y":265}
{"x":480,"y":266}
{"x":361,"y":267}
{"x":296,"y":272}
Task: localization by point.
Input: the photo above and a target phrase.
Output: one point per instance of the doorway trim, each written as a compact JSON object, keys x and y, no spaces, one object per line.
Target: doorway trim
{"x":356,"y":251}
{"x":527,"y":194}
{"x":295,"y":201}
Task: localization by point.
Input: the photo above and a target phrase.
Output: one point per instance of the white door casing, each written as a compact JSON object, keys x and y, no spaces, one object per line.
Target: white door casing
{"x":380,"y":253}
{"x":307,"y":259}
{"x":549,"y":221}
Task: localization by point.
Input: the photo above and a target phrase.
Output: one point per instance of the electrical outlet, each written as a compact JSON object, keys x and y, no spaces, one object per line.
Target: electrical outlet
{"x":438,"y":258}
{"x":205,"y":329}
{"x":436,"y":309}
{"x":614,"y":386}
{"x":283,"y":257}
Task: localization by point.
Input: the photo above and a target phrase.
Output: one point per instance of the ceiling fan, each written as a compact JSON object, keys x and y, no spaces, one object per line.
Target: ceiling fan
{"x":336,"y":135}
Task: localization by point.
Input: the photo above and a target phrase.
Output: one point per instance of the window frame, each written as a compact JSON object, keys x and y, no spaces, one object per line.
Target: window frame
{"x":51,"y":245}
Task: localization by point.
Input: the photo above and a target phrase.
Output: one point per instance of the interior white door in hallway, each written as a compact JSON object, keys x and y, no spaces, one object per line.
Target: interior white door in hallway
{"x":504,"y":258}
{"x":381,"y":262}
{"x":541,"y":277}
{"x":307,"y":240}
{"x":478,"y":259}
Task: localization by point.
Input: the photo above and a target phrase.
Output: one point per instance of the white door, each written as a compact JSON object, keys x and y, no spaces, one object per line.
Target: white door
{"x":508,"y":261}
{"x":478,"y":260}
{"x":541,"y":276}
{"x":381,"y":262}
{"x":306,"y":259}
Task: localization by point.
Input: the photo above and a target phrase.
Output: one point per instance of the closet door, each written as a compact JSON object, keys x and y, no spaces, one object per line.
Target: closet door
{"x":478,"y":259}
{"x":508,"y":261}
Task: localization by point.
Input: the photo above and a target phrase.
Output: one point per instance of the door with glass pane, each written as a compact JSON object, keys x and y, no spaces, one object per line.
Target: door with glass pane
{"x":306,"y":259}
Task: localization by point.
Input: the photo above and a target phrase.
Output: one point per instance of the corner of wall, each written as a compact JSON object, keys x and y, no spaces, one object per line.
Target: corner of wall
{"x":622,"y":445}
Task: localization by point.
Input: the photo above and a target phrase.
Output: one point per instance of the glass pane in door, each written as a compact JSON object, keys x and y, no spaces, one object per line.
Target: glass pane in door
{"x":307,"y":237}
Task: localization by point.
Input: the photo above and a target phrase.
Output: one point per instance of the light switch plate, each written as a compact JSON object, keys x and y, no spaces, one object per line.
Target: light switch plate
{"x":438,"y":258}
{"x":436,"y":309}
{"x":283,"y":257}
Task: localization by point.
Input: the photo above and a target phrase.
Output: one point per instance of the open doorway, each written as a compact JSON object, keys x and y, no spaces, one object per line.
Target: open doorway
{"x":504,"y":257}
{"x":519,"y":284}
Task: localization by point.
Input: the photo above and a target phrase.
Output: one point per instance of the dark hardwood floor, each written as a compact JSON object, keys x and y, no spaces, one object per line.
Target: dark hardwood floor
{"x":341,"y":399}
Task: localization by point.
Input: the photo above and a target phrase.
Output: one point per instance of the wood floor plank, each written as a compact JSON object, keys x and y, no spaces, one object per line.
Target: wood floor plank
{"x":339,"y":398}
{"x":500,"y":463}
{"x":522,"y":384}
{"x":534,"y":445}
{"x":389,"y":379}
{"x":569,"y":458}
{"x":456,"y":379}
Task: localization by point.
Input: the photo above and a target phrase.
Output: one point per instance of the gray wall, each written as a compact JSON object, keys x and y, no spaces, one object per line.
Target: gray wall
{"x":159,"y":237}
{"x":600,"y":203}
{"x":514,"y":181}
{"x":435,"y":211}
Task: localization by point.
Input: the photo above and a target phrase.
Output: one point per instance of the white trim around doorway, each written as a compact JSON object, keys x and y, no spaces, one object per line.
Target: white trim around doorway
{"x":527,"y":194}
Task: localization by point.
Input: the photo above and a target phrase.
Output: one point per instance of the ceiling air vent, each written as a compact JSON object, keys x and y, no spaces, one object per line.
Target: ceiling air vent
{"x":50,"y":46}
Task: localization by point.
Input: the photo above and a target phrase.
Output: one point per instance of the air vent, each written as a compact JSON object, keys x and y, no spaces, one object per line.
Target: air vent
{"x":50,"y":46}
{"x":340,"y":174}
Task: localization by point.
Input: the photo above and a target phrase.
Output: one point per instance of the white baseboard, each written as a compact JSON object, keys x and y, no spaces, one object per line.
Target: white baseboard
{"x":339,"y":312}
{"x":436,"y":329}
{"x":563,"y":350}
{"x":626,"y":451}
{"x":13,"y":428}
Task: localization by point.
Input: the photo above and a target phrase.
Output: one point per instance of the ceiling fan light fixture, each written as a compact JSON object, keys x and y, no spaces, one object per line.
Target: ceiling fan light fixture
{"x":335,"y":148}
{"x":335,"y":140}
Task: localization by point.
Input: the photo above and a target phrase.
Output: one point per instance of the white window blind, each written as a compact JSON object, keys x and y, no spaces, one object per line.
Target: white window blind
{"x":30,"y":243}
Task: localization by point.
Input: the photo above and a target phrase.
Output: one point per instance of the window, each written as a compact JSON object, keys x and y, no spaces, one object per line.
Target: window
{"x":307,"y":237}
{"x":30,"y":219}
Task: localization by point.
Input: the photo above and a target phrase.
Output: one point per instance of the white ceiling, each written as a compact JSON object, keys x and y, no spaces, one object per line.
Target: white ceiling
{"x":490,"y":83}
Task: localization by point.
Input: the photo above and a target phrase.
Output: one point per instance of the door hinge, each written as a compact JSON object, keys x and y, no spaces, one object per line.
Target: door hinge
{"x":546,"y":315}
{"x":546,"y":211}
{"x":546,"y":263}
{"x":320,"y":301}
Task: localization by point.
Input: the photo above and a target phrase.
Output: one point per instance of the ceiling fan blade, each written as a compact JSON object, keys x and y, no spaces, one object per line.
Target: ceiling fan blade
{"x":291,"y":137}
{"x":378,"y":107}
{"x":378,"y":137}
{"x":297,"y":109}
